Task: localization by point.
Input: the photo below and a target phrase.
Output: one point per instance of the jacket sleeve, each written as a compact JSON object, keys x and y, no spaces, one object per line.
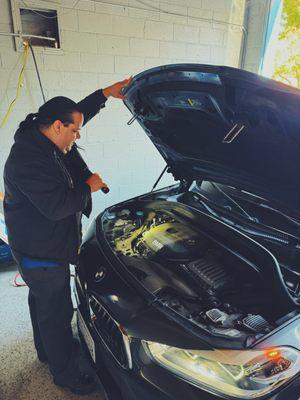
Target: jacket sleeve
{"x":48,"y":192}
{"x":91,"y":105}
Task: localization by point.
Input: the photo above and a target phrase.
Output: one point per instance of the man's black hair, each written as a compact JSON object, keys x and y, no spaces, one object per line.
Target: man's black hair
{"x":58,"y":108}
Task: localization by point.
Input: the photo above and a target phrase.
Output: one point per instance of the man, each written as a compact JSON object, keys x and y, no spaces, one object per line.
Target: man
{"x":47,"y":188}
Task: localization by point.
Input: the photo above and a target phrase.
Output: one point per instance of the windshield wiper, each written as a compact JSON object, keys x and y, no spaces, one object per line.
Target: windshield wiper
{"x":282,"y":239}
{"x":290,"y":219}
{"x":262,"y":205}
{"x":263,"y":232}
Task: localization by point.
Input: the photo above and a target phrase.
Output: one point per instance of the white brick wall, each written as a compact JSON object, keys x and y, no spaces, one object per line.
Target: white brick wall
{"x":104,"y":42}
{"x":186,"y":34}
{"x":79,"y":41}
{"x":130,"y":27}
{"x":144,"y":48}
{"x":211,"y":36}
{"x":172,"y":50}
{"x":115,"y":45}
{"x":97,"y":63}
{"x":159,"y":30}
{"x":95,"y":23}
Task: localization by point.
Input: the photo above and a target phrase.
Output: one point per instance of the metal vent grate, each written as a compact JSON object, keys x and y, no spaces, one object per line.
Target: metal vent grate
{"x":109,"y":331}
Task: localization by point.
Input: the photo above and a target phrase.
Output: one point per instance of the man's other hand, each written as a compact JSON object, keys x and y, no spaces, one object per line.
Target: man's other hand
{"x":95,"y":182}
{"x":115,"y":90}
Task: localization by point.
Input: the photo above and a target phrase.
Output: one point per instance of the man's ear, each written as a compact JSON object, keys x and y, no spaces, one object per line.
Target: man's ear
{"x":57,"y":126}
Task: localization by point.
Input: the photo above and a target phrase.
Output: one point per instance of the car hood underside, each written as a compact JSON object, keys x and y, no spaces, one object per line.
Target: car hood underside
{"x":223,"y":124}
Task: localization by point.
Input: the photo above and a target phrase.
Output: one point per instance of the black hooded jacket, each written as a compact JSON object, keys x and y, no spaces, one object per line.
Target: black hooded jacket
{"x":45,"y":193}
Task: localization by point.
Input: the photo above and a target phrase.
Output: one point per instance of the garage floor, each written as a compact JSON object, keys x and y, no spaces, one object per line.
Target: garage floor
{"x":22,"y":376}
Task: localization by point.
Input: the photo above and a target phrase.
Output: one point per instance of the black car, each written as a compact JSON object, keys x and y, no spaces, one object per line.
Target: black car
{"x":192,"y":291}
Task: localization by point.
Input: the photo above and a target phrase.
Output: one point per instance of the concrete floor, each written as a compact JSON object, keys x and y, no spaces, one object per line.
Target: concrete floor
{"x":22,"y":376}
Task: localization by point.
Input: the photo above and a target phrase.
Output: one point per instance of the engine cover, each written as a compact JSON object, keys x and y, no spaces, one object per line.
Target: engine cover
{"x":209,"y":274}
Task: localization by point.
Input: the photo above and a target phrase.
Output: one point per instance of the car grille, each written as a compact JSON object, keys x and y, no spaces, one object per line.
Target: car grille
{"x":110,"y":332}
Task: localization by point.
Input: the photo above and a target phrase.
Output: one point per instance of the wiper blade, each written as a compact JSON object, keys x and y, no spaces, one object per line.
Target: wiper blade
{"x":264,"y":205}
{"x":279,"y":237}
{"x":290,"y":219}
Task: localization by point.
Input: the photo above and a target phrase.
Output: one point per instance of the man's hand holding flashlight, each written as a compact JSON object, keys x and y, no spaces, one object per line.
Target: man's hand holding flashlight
{"x":95,"y":183}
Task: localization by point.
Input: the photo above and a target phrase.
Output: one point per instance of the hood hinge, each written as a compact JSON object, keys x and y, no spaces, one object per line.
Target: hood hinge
{"x":184,"y":185}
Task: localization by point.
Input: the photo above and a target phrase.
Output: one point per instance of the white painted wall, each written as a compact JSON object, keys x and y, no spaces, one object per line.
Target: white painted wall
{"x":103,"y":43}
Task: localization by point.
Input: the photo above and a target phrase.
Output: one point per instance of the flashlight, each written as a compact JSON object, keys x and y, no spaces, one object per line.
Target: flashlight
{"x":105,"y":189}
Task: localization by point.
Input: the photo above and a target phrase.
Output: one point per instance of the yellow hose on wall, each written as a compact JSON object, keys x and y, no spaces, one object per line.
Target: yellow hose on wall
{"x":20,"y":81}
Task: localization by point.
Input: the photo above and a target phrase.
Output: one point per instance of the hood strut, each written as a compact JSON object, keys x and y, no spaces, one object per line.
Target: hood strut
{"x":159,"y":178}
{"x":184,"y":185}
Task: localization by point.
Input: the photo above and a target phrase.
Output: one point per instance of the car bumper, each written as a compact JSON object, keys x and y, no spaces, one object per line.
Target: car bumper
{"x":146,"y":379}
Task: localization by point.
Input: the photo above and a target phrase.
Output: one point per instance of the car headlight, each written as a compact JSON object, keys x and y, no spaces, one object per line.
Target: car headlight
{"x":243,"y":374}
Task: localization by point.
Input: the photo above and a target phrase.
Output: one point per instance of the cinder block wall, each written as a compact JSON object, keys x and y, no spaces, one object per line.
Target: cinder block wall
{"x":104,"y":42}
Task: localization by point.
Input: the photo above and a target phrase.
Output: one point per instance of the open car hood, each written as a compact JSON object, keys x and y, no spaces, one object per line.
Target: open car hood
{"x":223,"y":124}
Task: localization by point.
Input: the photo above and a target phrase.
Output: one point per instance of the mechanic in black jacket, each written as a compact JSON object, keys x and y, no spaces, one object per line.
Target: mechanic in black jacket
{"x":47,"y":188}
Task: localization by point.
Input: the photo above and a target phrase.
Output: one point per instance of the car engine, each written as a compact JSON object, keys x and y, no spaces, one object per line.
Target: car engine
{"x":190,"y":273}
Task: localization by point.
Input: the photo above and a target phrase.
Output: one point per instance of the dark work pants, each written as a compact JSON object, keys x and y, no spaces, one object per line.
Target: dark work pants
{"x":51,"y":312}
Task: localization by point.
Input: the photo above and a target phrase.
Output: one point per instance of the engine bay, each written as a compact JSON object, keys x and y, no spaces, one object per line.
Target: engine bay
{"x":191,"y":273}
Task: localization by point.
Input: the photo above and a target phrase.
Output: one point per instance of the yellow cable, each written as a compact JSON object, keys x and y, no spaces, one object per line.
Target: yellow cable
{"x":20,"y":81}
